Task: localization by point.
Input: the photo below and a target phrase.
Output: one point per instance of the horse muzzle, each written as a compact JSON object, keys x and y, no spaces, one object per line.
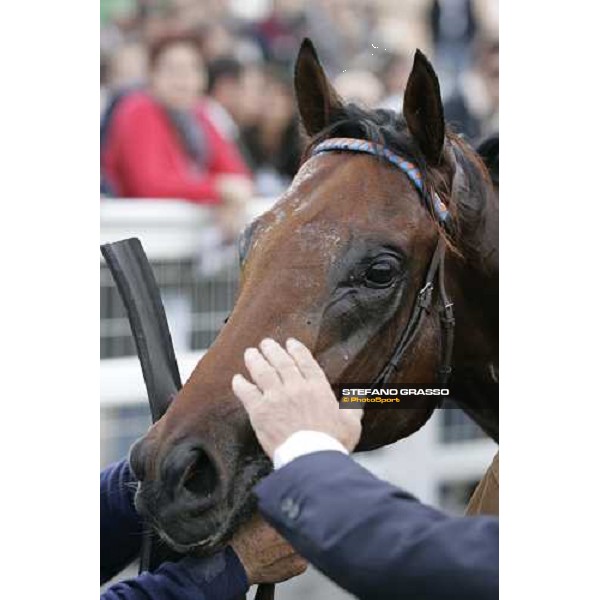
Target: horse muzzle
{"x":192,"y":500}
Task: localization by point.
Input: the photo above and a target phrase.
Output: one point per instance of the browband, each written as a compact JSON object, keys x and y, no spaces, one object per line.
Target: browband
{"x":375,"y":149}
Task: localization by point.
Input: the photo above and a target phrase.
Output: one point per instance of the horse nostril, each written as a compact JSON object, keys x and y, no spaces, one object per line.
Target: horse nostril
{"x":200,"y":477}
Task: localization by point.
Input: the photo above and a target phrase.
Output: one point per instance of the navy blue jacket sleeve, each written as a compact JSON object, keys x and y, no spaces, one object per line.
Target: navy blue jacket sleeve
{"x":219,"y":577}
{"x":374,"y":539}
{"x":120,"y":525}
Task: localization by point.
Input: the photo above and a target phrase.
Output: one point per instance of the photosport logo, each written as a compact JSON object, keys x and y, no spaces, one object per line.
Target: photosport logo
{"x":358,"y":395}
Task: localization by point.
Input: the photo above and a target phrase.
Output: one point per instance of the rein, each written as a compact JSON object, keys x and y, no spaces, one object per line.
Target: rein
{"x":435,"y":271}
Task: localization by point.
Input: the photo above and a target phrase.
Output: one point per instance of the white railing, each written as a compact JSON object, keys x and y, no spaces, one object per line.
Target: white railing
{"x":122,"y":382}
{"x":169,"y":229}
{"x":196,"y":274}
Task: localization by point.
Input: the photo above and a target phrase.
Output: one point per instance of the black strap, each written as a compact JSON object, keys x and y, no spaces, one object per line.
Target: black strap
{"x":139,"y":292}
{"x":265,"y":591}
{"x":137,"y":287}
{"x":420,"y":309}
{"x":447,"y":320}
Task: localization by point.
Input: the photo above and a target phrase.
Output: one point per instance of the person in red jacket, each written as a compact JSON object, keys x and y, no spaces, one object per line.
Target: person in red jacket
{"x":160,"y":142}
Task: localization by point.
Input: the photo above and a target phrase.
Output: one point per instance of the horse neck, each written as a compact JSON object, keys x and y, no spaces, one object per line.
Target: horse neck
{"x":475,"y":293}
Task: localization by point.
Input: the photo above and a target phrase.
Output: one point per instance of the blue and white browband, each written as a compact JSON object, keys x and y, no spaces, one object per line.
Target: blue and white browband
{"x":367,"y":147}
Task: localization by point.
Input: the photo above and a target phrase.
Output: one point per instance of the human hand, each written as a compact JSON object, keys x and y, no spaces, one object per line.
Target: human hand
{"x":288,"y":393}
{"x":264,"y":554}
{"x":235,"y":191}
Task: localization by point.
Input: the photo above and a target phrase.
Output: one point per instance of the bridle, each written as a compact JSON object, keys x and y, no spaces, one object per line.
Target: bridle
{"x":435,"y":271}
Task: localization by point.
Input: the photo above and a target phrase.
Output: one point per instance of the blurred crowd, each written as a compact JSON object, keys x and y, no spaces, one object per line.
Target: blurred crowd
{"x":197,"y":99}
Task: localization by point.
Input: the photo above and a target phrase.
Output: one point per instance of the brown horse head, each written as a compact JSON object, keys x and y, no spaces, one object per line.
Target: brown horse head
{"x":336,"y":263}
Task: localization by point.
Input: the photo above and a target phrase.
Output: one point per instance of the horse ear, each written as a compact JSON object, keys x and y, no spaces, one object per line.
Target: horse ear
{"x":316,"y":98}
{"x":423,"y":109}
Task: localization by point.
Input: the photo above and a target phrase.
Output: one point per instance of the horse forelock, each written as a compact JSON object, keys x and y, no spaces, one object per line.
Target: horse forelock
{"x":389,"y":128}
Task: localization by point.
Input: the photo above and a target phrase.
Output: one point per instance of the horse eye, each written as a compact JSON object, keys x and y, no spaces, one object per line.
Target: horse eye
{"x":381,"y":273}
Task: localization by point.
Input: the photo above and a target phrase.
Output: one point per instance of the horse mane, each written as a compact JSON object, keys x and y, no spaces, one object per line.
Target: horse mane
{"x":489,"y":150}
{"x":390,"y":129}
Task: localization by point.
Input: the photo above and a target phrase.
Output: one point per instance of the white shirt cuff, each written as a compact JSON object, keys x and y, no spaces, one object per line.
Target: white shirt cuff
{"x":304,"y":442}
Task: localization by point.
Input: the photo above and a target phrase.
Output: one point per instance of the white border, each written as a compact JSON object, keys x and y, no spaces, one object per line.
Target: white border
{"x":549,"y":299}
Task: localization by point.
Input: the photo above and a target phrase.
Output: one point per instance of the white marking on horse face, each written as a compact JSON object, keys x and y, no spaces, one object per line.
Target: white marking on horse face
{"x":292,"y":200}
{"x":304,"y":173}
{"x":325,"y":238}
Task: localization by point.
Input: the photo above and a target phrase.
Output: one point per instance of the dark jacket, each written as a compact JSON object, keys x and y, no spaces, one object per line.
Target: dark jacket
{"x":221,"y":576}
{"x":376,"y":540}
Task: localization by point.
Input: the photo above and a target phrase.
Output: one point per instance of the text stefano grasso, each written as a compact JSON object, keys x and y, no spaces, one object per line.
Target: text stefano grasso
{"x":401,"y":391}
